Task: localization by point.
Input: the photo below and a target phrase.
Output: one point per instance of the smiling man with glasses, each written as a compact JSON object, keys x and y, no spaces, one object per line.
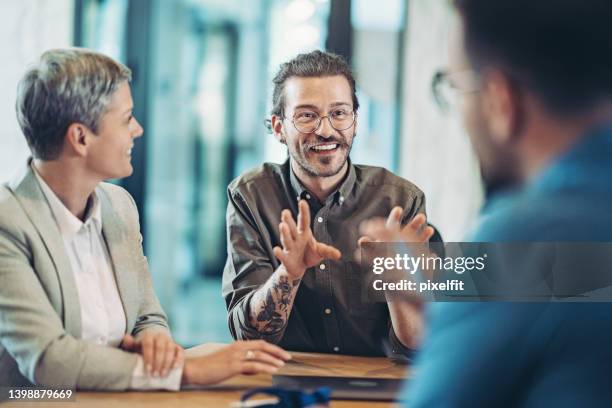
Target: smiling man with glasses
{"x":297,"y":284}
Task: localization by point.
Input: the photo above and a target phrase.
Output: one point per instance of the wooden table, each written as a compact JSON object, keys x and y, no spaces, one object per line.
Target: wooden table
{"x":223,"y":394}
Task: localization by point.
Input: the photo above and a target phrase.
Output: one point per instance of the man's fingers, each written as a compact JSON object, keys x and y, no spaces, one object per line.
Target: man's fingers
{"x":417,"y":230}
{"x":280,"y":233}
{"x":287,"y":218}
{"x":393,"y":220}
{"x":418,"y":222}
{"x":364,"y":240}
{"x":427,"y":233}
{"x":303,"y":216}
{"x":377,"y":230}
{"x":285,"y":236}
{"x":373,"y":224}
{"x":278,"y":253}
{"x":328,"y":252}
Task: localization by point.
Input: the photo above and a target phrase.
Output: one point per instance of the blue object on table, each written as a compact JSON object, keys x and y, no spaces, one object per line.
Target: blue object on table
{"x":291,"y":398}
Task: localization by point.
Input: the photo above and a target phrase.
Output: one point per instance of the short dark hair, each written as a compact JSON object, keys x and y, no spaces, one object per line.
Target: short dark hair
{"x":65,"y":86}
{"x":313,"y":64}
{"x":559,"y":49}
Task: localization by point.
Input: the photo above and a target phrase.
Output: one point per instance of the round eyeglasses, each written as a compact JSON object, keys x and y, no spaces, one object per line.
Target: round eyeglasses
{"x":306,"y":121}
{"x":446,"y":86}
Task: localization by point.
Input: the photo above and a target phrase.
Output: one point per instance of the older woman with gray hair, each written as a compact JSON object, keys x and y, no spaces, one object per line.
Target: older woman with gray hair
{"x":77,"y":306}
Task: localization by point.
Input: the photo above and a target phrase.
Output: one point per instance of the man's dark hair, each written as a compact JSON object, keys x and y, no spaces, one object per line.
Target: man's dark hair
{"x":313,"y":64}
{"x":559,"y":49}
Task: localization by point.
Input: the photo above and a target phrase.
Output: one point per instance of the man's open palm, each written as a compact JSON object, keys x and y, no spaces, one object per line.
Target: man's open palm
{"x":300,"y":250}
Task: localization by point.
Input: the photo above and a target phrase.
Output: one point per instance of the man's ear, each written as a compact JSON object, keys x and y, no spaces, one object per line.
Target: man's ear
{"x":502,"y":107}
{"x":76,"y":139}
{"x":277,"y":128}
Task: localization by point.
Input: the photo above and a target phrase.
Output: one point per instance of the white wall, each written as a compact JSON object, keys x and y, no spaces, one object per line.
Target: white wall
{"x":27,"y":28}
{"x":435,"y":152}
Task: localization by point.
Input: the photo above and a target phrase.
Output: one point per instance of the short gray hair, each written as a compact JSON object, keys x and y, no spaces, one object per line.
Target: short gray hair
{"x":66,"y":86}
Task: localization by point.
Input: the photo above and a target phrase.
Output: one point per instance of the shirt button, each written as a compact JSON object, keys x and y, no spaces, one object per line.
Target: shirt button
{"x":322,"y":267}
{"x":341,"y":199}
{"x":320,"y":219}
{"x":327,"y":311}
{"x":336,"y":349}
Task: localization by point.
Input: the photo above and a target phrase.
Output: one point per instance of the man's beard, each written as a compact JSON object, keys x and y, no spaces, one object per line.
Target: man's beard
{"x":501,"y":176}
{"x":493,"y":186}
{"x":312,"y":170}
{"x":497,"y":164}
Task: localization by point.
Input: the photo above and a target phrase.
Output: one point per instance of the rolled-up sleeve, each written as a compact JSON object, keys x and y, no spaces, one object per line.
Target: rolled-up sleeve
{"x":397,"y":348}
{"x":413,"y":207}
{"x":249,"y":265}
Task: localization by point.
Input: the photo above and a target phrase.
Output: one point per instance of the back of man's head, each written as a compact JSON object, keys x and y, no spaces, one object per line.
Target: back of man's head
{"x":561,"y":50}
{"x":65,"y":86}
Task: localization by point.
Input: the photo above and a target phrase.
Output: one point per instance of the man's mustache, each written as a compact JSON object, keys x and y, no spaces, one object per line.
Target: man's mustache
{"x":327,"y":140}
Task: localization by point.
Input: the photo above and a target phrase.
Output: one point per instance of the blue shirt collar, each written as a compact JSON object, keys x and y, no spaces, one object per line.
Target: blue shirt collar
{"x":587,"y":165}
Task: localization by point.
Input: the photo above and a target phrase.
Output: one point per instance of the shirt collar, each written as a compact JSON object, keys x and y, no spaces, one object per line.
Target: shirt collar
{"x":67,"y":222}
{"x":339,"y":195}
{"x":585,"y":165}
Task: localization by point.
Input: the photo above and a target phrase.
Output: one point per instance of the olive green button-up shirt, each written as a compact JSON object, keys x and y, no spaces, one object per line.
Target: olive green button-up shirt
{"x":329,"y":314}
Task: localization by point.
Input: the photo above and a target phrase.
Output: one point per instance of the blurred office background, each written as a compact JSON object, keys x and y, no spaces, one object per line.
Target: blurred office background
{"x":202,"y":71}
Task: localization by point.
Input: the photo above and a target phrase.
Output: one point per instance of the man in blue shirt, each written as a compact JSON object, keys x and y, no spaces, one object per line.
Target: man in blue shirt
{"x":534,"y":85}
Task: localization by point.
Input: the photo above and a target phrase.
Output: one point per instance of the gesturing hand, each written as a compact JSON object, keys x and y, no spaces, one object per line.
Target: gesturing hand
{"x":377,"y":229}
{"x":300,"y":249}
{"x":159,"y":352}
{"x":390,"y":230}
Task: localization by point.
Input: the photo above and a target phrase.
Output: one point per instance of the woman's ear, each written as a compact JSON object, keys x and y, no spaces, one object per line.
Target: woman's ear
{"x":76,"y":138}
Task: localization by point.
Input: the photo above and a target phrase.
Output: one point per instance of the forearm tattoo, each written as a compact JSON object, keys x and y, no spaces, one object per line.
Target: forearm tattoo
{"x":271,"y":307}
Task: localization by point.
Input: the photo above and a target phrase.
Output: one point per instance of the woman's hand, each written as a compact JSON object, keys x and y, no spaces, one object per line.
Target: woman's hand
{"x":159,"y":352}
{"x":241,"y":357}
